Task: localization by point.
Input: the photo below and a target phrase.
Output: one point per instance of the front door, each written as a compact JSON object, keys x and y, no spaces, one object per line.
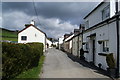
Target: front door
{"x":93,"y":50}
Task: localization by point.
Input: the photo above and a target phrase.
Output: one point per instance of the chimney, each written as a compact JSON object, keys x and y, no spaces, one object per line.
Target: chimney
{"x":32,"y":22}
{"x":82,"y":27}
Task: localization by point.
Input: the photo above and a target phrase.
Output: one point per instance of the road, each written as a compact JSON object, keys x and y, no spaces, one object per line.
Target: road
{"x":58,"y":65}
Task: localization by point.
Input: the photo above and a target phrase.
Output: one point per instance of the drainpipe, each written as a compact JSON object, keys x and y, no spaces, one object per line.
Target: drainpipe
{"x":78,"y":46}
{"x":117,"y":27}
{"x":82,"y":39}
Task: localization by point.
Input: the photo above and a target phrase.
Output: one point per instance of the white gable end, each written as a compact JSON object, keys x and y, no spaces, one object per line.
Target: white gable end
{"x":32,"y":35}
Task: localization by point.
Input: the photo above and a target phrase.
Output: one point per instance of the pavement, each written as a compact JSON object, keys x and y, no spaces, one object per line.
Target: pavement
{"x":58,"y":65}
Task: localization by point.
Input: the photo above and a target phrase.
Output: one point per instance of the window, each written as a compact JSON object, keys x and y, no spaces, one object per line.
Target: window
{"x":35,"y":35}
{"x":87,"y":24}
{"x":105,"y":46}
{"x":23,"y":37}
{"x":87,"y":46}
{"x":106,"y":12}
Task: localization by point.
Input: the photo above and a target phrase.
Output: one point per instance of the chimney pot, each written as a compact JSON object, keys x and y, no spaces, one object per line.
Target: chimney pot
{"x":32,"y":22}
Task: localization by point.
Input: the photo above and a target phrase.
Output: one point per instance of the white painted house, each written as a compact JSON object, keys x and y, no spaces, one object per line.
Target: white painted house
{"x":77,"y":41}
{"x":67,"y":42}
{"x":75,"y":44}
{"x":60,"y":42}
{"x":100,"y":26}
{"x":32,"y":34}
{"x":49,"y":43}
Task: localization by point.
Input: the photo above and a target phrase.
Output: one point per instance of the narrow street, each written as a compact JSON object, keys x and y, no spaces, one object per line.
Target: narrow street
{"x":58,"y":65}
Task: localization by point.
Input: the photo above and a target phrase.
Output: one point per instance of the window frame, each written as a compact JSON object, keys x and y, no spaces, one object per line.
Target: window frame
{"x":87,"y":46}
{"x":105,"y":46}
{"x":23,"y":38}
{"x":87,"y":24}
{"x":105,"y":15}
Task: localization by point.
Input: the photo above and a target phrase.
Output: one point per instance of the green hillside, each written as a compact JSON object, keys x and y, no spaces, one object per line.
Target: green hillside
{"x":8,"y":35}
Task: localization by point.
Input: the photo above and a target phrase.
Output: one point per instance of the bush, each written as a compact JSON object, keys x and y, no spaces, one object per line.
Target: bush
{"x":17,"y":58}
{"x":110,"y":60}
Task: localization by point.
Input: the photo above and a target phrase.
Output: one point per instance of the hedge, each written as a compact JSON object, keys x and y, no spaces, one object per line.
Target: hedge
{"x":17,"y":58}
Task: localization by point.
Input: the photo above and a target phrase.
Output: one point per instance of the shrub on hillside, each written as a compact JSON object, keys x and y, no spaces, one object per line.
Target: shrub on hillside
{"x":19,"y":57}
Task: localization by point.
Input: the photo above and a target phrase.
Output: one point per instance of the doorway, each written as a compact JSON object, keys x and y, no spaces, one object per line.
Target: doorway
{"x":93,"y":47}
{"x":93,"y":51}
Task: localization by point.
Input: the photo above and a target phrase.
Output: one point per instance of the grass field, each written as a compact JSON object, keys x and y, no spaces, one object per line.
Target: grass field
{"x":8,"y":35}
{"x":34,"y":72}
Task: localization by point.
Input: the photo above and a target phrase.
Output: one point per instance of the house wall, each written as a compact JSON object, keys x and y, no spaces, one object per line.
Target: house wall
{"x":112,"y":7}
{"x":106,"y":32}
{"x":61,"y":42}
{"x":30,"y":33}
{"x":66,"y":46}
{"x":119,"y":5}
{"x":75,"y":46}
{"x":70,"y":46}
{"x":49,"y":42}
{"x":80,"y":44}
{"x":96,"y":16}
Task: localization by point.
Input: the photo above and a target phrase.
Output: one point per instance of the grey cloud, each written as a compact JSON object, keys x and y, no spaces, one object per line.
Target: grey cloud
{"x":56,"y":18}
{"x":65,"y":11}
{"x":53,"y":27}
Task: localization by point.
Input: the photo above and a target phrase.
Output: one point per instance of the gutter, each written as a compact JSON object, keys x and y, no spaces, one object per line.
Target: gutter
{"x":117,"y":27}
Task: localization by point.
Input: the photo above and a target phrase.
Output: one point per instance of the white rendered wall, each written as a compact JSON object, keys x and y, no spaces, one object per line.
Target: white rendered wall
{"x":30,"y":33}
{"x":96,"y":16}
{"x":70,"y":46}
{"x":49,"y":42}
{"x":112,"y":7}
{"x":61,"y":41}
{"x":107,"y":32}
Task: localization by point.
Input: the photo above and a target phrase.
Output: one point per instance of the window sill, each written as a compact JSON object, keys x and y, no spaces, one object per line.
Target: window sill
{"x":102,"y":54}
{"x":86,"y":51}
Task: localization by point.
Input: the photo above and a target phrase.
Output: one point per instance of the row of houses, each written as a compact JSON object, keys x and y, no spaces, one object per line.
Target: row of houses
{"x":98,"y":36}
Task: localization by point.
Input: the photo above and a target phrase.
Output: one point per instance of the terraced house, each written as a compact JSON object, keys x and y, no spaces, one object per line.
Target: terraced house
{"x":102,"y":33}
{"x":67,"y":42}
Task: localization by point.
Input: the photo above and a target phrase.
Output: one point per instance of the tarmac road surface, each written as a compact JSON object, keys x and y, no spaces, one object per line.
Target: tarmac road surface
{"x":58,"y":65}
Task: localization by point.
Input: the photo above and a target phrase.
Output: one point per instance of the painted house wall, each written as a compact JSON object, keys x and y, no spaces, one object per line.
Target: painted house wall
{"x":80,"y":44}
{"x":30,"y":32}
{"x":96,"y":16}
{"x":49,"y":42}
{"x":75,"y":46}
{"x":61,"y":42}
{"x":112,"y":7}
{"x":70,"y":46}
{"x":106,"y":32}
{"x":66,"y":46}
{"x":119,"y":5}
{"x":55,"y":43}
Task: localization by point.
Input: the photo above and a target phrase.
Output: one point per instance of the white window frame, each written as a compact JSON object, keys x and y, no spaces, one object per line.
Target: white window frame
{"x":87,"y":24}
{"x":105,"y":46}
{"x":23,"y":39}
{"x":105,"y":13}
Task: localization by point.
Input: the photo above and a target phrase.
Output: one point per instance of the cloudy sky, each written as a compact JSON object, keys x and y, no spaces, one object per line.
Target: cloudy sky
{"x":55,"y":19}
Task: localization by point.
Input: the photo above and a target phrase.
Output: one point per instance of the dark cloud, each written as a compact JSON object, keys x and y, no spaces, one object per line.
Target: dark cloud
{"x":61,"y":17}
{"x":65,"y":11}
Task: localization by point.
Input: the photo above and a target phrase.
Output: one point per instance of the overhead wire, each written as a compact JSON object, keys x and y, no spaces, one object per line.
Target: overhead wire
{"x":36,"y":13}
